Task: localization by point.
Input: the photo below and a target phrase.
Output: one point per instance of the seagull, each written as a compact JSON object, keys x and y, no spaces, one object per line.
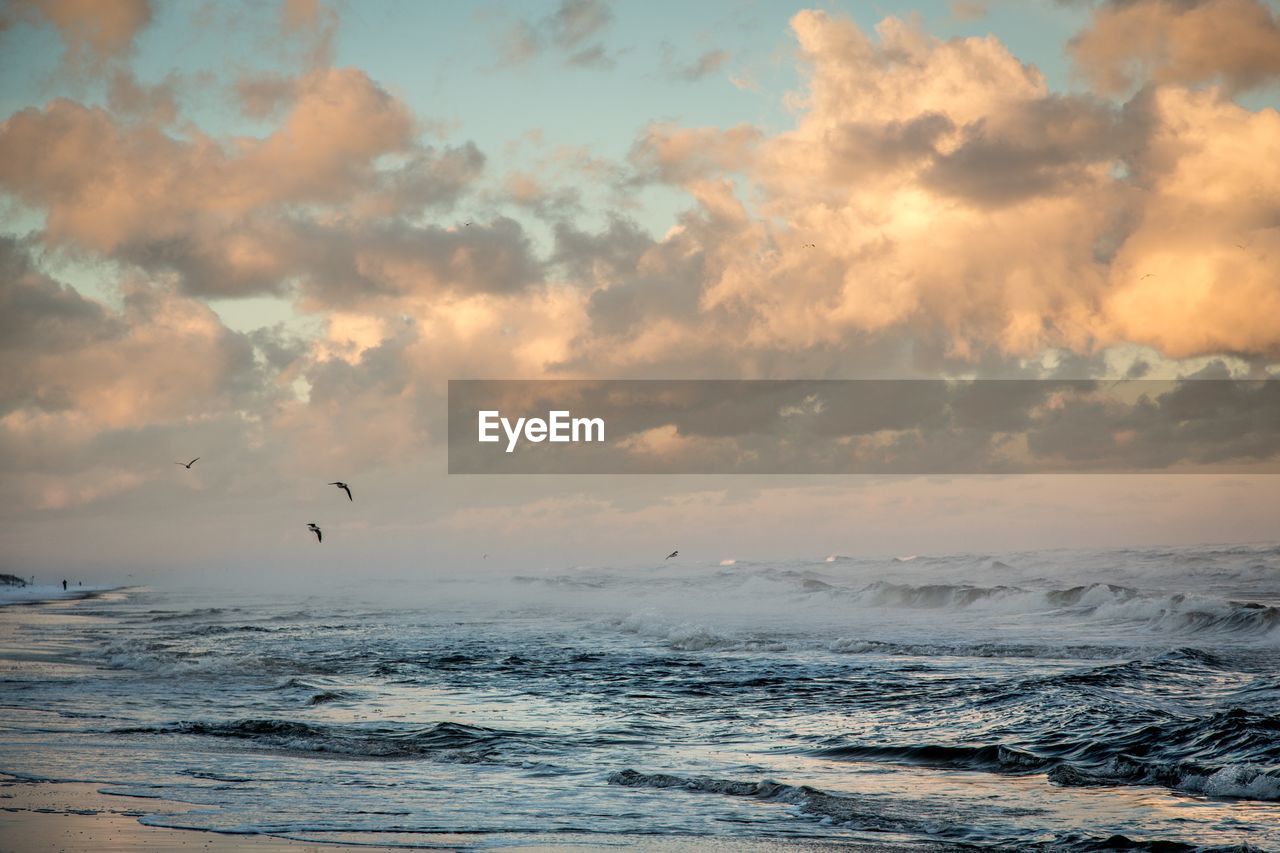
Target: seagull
{"x":187,"y":464}
{"x":314,"y":528}
{"x":673,"y":554}
{"x":344,"y":488}
{"x":1148,"y":275}
{"x":810,"y":245}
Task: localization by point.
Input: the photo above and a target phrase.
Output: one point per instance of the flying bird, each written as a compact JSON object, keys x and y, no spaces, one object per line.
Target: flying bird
{"x":187,"y":464}
{"x":1148,"y":275}
{"x":810,"y":245}
{"x":344,"y":488}
{"x":314,"y":528}
{"x":673,"y":554}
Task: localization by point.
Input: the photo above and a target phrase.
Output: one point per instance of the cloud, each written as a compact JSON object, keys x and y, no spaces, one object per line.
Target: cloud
{"x":936,"y":191}
{"x":575,"y":21}
{"x":932,"y":207}
{"x":706,"y":64}
{"x":349,"y":265}
{"x":313,"y":27}
{"x":173,"y":360}
{"x":527,"y":190}
{"x":156,"y":104}
{"x":93,"y":33}
{"x":224,"y":214}
{"x":1196,"y":274}
{"x":568,"y":30}
{"x":1234,"y":43}
{"x":676,"y":155}
{"x":968,"y":10}
{"x":264,"y":95}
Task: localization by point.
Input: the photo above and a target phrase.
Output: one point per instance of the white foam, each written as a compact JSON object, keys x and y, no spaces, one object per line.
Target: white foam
{"x":1235,"y":780}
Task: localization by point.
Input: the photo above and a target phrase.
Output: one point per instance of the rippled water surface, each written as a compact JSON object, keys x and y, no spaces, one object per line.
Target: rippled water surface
{"x":1055,"y":700}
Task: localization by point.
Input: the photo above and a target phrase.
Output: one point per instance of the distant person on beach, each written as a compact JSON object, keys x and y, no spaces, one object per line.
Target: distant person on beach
{"x":64,"y":586}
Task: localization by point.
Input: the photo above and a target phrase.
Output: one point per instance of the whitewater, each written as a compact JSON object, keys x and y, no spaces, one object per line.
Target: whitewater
{"x":1053,"y":700}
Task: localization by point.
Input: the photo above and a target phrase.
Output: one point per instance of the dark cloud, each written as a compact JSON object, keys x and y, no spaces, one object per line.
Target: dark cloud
{"x":1040,"y":148}
{"x":341,"y":266}
{"x":859,"y":148}
{"x":602,"y":256}
{"x":39,"y":314}
{"x":160,"y":356}
{"x":635,"y":280}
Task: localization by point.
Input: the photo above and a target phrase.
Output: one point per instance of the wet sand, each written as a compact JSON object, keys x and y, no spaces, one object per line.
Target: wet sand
{"x":75,"y":817}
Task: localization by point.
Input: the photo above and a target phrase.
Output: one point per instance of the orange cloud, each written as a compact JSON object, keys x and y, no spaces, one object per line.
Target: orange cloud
{"x":222,"y":212}
{"x":93,"y":32}
{"x":1232,"y":42}
{"x":936,"y":191}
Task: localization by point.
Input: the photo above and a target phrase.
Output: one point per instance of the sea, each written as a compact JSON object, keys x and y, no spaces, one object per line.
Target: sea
{"x":1054,"y":700}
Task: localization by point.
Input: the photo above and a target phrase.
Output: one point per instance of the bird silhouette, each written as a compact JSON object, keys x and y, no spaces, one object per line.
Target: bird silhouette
{"x":187,"y":464}
{"x":344,"y":488}
{"x":673,"y":554}
{"x":314,"y":528}
{"x":1147,"y":276}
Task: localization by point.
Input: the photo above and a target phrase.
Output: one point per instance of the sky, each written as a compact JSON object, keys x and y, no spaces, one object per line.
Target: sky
{"x":268,"y":234}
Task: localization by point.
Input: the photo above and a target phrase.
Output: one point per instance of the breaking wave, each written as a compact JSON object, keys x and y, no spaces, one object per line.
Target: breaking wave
{"x":1232,"y":753}
{"x":870,"y":814}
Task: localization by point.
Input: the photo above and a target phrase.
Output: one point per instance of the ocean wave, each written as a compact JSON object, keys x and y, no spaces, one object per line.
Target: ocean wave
{"x":694,"y":637}
{"x":445,"y":741}
{"x":869,"y":814}
{"x":1233,"y":753}
{"x":1179,"y":613}
{"x":1076,"y":843}
{"x":183,"y":615}
{"x":220,"y":630}
{"x":850,"y":812}
{"x":859,"y":646}
{"x":991,"y":757}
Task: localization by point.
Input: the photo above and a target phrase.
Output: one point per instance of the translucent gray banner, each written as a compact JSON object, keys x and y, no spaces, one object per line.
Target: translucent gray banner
{"x":863,"y":426}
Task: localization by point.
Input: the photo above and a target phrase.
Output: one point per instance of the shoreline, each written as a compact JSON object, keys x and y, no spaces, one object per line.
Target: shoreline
{"x":45,"y":594}
{"x":76,"y":817}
